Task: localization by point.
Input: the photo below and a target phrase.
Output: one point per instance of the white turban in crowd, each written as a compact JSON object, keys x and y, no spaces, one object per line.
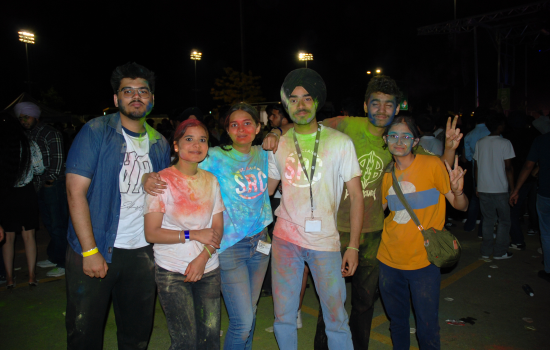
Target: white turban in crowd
{"x":27,"y":108}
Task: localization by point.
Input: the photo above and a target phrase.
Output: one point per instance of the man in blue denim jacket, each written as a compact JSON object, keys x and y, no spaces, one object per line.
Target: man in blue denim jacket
{"x":108,"y":254}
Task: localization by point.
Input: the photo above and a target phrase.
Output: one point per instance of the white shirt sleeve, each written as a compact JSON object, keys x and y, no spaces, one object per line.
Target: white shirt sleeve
{"x":475,"y":156}
{"x":509,"y":151}
{"x":273,"y":171}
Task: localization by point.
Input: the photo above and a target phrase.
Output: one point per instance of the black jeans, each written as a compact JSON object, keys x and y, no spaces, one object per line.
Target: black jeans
{"x":54,"y":212}
{"x":192,"y":309}
{"x":364,"y":292}
{"x":515,"y":230}
{"x":130,"y":281}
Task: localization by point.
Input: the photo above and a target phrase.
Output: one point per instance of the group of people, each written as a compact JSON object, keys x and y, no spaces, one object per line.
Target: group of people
{"x":190,"y":221}
{"x":206,"y":212}
{"x":33,"y":184}
{"x":509,"y":169}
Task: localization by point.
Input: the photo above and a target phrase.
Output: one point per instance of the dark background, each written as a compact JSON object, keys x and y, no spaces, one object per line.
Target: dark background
{"x":78,"y":44}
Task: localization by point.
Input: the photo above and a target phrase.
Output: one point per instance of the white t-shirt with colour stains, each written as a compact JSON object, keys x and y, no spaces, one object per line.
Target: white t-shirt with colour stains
{"x":130,"y":233}
{"x":188,"y":203}
{"x":336,"y":163}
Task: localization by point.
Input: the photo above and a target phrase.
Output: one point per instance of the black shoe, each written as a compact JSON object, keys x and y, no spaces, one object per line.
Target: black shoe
{"x":518,"y":246}
{"x":544,"y":275}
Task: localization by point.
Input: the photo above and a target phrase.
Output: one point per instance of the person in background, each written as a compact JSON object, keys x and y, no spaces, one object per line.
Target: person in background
{"x":52,"y":194}
{"x":494,"y":176}
{"x":426,"y":127}
{"x":470,"y":140}
{"x":539,"y":154}
{"x":20,"y":160}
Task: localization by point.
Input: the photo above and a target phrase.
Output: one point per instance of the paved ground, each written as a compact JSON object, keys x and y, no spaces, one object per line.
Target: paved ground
{"x":34,"y":318}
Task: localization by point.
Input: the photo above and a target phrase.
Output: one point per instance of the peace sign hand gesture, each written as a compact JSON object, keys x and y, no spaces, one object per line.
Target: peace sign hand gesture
{"x":456,"y":176}
{"x":452,"y":134}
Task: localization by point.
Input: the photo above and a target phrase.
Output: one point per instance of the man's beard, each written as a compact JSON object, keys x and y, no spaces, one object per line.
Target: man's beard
{"x":380,"y":123}
{"x":135,"y":115}
{"x":300,"y":121}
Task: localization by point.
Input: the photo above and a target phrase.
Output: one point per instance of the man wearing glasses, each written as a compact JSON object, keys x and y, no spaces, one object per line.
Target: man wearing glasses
{"x":108,"y":254}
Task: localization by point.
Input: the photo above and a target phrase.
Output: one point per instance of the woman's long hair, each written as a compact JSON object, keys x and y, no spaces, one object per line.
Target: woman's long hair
{"x":15,"y":151}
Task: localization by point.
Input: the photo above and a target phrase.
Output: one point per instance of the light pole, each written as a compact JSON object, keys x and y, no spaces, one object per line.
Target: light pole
{"x":196,"y":56}
{"x":378,"y":71}
{"x":27,"y":38}
{"x":305,"y":57}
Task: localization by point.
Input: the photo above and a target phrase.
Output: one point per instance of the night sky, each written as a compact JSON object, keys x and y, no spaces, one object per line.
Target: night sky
{"x":80,"y":43}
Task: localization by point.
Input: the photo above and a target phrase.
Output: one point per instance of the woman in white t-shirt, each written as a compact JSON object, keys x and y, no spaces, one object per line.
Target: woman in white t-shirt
{"x":186,"y":225}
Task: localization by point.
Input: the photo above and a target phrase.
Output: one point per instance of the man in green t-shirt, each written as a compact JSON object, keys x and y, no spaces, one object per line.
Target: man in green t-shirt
{"x":381,"y":105}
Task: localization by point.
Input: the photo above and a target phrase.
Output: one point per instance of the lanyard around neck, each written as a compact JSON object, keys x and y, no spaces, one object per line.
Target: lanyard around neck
{"x":313,"y":161}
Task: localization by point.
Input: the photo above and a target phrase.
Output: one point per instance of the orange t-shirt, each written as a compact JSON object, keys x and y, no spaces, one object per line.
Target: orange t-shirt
{"x":424,"y":184}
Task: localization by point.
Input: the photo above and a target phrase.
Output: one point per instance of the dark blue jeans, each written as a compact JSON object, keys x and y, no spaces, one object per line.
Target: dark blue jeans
{"x":54,"y":212}
{"x":192,"y":309}
{"x":242,"y":272}
{"x":424,"y":292}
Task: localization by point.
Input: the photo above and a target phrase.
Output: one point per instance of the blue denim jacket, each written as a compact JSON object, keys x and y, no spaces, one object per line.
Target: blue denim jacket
{"x":97,"y":153}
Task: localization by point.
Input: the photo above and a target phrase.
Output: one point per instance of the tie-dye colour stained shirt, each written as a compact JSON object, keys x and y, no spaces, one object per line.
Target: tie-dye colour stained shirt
{"x":188,"y":203}
{"x":336,"y":163}
{"x":243,"y":182}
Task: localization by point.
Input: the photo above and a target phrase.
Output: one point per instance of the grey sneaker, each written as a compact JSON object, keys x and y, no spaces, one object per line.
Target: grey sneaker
{"x":505,"y":256}
{"x":45,"y":264}
{"x":56,"y":272}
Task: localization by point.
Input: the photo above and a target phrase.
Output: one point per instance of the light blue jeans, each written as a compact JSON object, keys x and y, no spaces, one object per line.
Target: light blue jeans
{"x":543,"y":209}
{"x":242,"y":271}
{"x":287,"y":268}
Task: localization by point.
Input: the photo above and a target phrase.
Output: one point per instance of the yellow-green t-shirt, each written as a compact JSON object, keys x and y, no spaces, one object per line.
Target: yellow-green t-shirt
{"x":373,"y":159}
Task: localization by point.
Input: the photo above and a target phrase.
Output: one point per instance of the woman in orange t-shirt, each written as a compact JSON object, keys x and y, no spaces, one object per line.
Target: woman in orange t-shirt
{"x":403,"y":260}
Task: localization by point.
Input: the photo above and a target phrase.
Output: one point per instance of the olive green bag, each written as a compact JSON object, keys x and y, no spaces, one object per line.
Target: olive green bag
{"x":442,"y":246}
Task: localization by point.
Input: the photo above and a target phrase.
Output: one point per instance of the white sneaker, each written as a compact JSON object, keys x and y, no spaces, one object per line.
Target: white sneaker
{"x":464,"y":221}
{"x":539,"y":250}
{"x":45,"y":264}
{"x":505,"y":256}
{"x":56,"y":272}
{"x":299,"y":320}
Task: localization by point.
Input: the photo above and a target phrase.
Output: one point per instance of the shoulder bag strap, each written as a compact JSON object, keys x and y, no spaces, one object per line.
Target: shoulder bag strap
{"x":403,"y":201}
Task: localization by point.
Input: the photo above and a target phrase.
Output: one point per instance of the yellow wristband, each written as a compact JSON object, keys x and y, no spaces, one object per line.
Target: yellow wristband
{"x":90,"y":252}
{"x":208,"y":251}
{"x":352,"y":248}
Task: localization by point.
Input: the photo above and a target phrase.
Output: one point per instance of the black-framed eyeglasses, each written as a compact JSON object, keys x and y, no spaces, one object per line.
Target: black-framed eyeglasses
{"x":130,"y":92}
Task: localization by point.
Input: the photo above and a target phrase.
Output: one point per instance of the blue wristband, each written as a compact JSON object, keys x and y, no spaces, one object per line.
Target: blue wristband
{"x":281,"y":130}
{"x":186,"y":234}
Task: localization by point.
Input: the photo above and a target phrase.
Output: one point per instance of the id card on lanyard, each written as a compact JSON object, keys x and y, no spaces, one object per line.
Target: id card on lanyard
{"x":311,"y":224}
